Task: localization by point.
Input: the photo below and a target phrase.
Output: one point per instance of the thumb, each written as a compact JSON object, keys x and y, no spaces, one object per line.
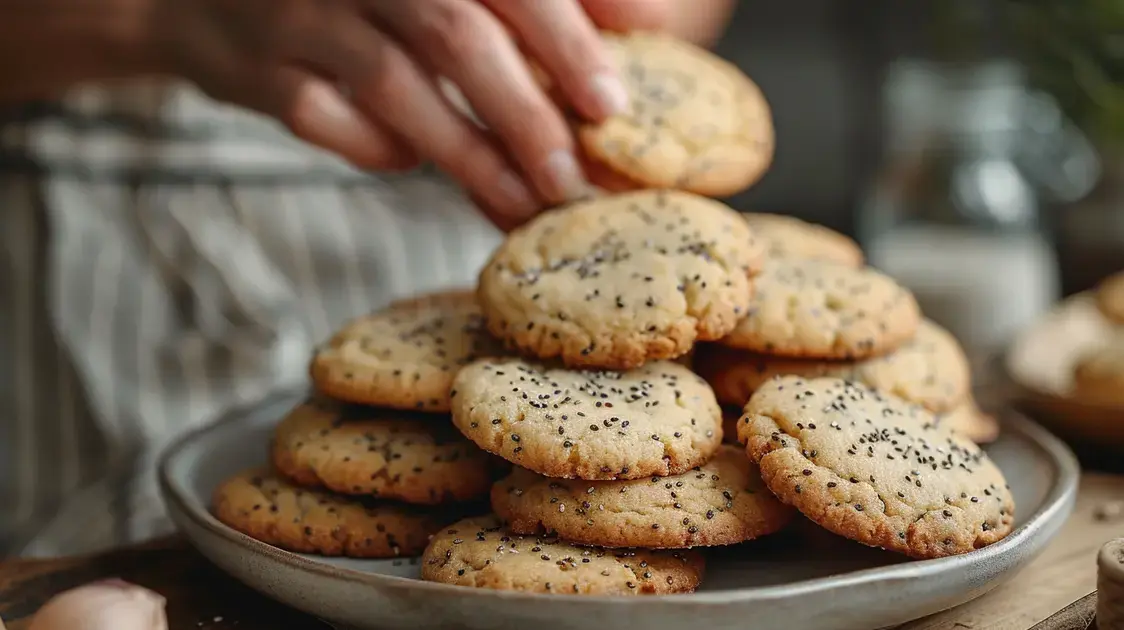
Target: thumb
{"x":628,"y":15}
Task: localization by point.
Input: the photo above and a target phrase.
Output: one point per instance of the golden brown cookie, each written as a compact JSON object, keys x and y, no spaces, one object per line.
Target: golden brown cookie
{"x":789,"y":237}
{"x":262,"y":505}
{"x":390,"y":454}
{"x":1110,"y":297}
{"x":695,"y":121}
{"x":874,"y":468}
{"x":659,"y":419}
{"x":617,"y":281}
{"x":722,"y":502}
{"x":930,"y":369}
{"x":1098,"y":375}
{"x":968,"y":420}
{"x":481,"y":553}
{"x":824,"y":310}
{"x":406,"y":355}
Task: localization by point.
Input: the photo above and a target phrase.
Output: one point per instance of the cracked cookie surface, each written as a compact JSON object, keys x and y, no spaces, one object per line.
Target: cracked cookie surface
{"x":352,"y":449}
{"x":722,"y":502}
{"x":695,"y":121}
{"x":660,"y":419}
{"x":266,"y":507}
{"x":929,"y":369}
{"x":788,"y":237}
{"x":1110,"y":297}
{"x":823,"y":310}
{"x":480,"y":552}
{"x":406,"y":355}
{"x":875,"y":469}
{"x":617,"y":281}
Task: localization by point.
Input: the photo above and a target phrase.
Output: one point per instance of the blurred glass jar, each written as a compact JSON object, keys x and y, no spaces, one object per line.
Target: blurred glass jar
{"x":955,"y":212}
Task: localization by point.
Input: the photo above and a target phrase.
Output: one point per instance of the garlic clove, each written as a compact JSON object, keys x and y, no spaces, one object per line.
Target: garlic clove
{"x":107,"y":605}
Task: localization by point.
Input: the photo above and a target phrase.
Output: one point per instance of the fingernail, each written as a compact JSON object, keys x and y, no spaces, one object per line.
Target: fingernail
{"x":334,"y":110}
{"x":611,"y":95}
{"x":515,"y":196}
{"x":566,"y":176}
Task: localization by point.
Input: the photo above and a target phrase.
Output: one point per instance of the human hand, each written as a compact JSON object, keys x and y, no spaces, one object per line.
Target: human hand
{"x":286,"y":58}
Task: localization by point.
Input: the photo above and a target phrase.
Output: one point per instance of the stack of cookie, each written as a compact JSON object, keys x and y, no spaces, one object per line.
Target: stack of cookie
{"x":371,"y":466}
{"x":567,"y":362}
{"x":616,"y":446}
{"x":818,"y":311}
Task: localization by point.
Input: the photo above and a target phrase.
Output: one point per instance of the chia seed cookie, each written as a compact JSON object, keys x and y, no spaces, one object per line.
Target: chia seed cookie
{"x":266,"y":507}
{"x":659,"y":419}
{"x":1110,"y":297}
{"x":874,"y":468}
{"x":930,"y":369}
{"x":617,"y":281}
{"x":481,"y":553}
{"x":789,"y":237}
{"x":695,"y":122}
{"x":969,"y":421}
{"x":1098,"y":375}
{"x":823,"y":310}
{"x":390,"y":454}
{"x":722,"y":502}
{"x":405,"y":355}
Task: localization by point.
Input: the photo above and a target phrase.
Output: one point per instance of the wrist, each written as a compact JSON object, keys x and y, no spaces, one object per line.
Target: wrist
{"x":71,"y":41}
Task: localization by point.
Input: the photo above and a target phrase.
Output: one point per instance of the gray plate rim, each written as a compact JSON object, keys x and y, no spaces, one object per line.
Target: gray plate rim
{"x":1061,"y":498}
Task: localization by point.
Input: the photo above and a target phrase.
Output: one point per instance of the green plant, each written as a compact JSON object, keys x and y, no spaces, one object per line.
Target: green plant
{"x":1074,"y":50}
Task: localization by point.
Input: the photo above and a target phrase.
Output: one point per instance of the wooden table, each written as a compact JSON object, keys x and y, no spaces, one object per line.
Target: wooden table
{"x":202,"y":598}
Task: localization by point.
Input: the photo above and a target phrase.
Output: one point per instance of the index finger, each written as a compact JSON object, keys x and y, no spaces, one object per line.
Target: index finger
{"x":566,"y":43}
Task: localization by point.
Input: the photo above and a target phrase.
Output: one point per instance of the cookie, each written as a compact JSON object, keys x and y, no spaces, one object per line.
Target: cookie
{"x":390,"y":454}
{"x":788,"y":237}
{"x":695,"y":121}
{"x":874,"y":468}
{"x":1098,"y":375}
{"x":969,"y":421}
{"x":266,"y":507}
{"x":930,"y":369}
{"x":406,"y":355}
{"x":722,"y":502}
{"x":1110,"y":297}
{"x":659,"y":419}
{"x":617,"y":281}
{"x":823,"y":310}
{"x":480,"y":552}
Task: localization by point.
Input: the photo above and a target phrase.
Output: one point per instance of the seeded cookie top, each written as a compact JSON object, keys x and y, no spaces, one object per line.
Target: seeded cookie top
{"x":405,"y":355}
{"x":1110,"y":297}
{"x":696,"y":122}
{"x":660,"y":419}
{"x":788,"y":237}
{"x":930,"y":369}
{"x":480,"y":552}
{"x":621,"y":280}
{"x":817,"y":309}
{"x":874,"y":468}
{"x":266,"y":507}
{"x":722,"y":502}
{"x":398,"y":455}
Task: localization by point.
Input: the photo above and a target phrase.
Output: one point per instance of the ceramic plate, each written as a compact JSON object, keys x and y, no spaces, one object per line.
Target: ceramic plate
{"x":1040,"y":365}
{"x":804,"y":578}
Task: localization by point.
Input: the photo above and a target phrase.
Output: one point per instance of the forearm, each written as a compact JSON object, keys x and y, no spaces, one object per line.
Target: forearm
{"x":700,"y":21}
{"x":49,"y":45}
